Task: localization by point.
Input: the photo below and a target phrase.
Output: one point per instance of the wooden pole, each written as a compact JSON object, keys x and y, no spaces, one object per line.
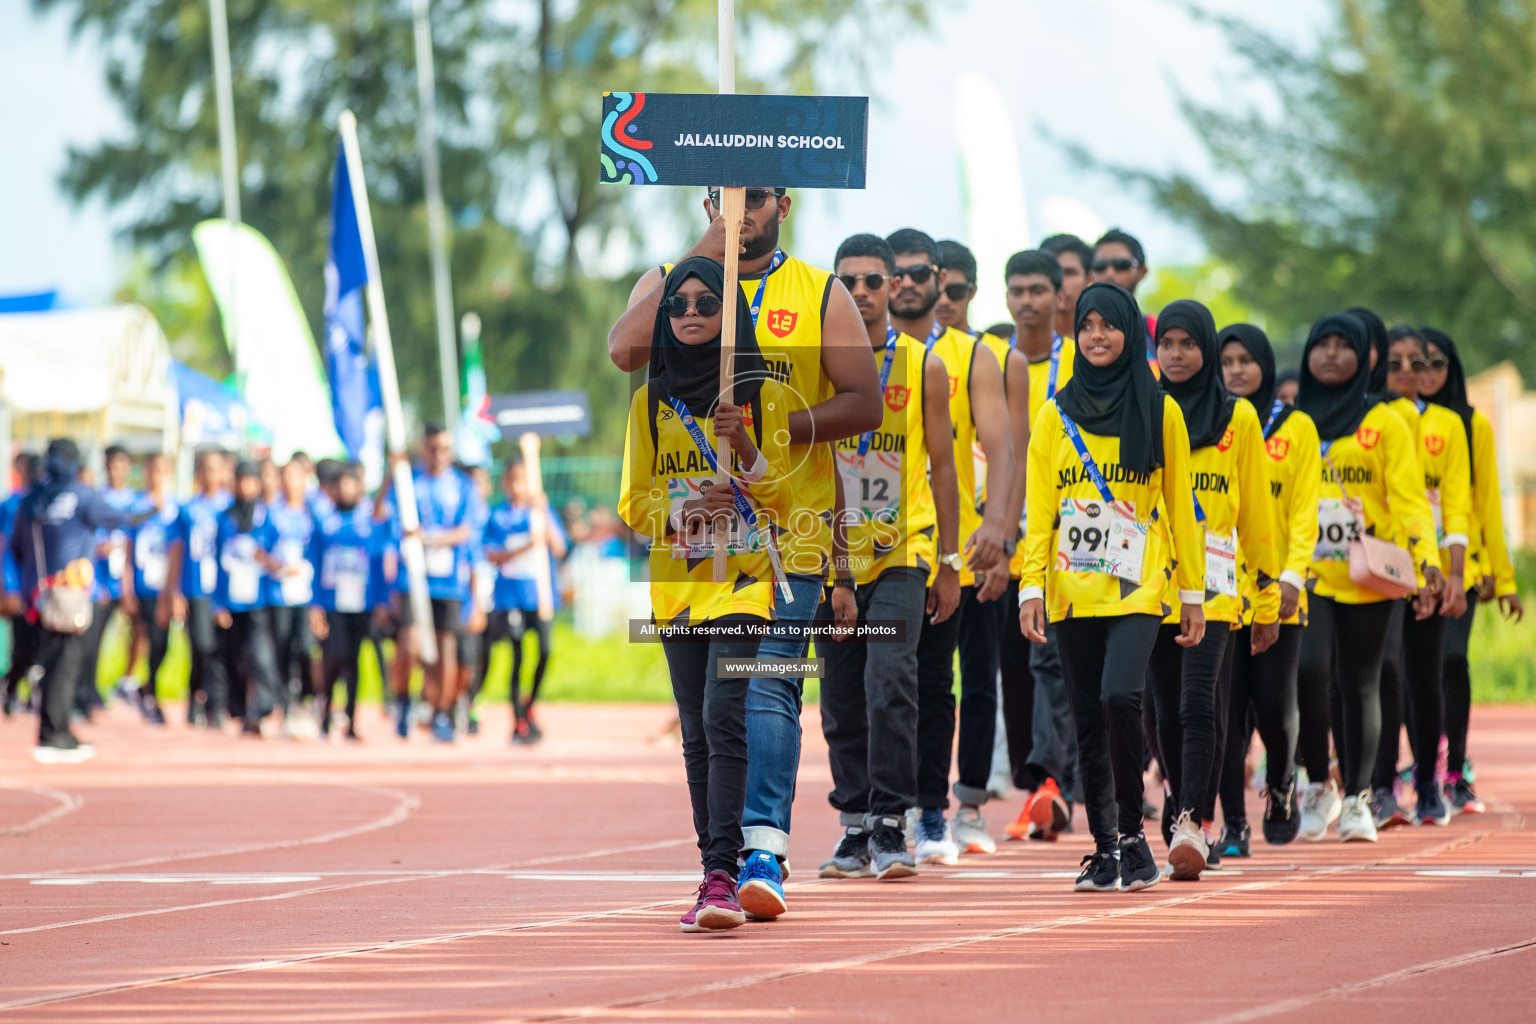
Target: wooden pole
{"x":411,"y":551}
{"x":733,"y":207}
{"x":543,"y":585}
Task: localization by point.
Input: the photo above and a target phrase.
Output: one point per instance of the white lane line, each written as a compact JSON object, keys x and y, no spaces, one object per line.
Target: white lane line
{"x":316,"y":890}
{"x":64,"y":803}
{"x":406,"y":804}
{"x":1380,"y":981}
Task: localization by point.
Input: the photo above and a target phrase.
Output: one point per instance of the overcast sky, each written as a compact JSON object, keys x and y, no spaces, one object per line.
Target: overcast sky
{"x":1103,"y":72}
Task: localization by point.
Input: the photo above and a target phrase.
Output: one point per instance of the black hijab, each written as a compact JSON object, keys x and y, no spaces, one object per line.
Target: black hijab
{"x":1256,"y":342}
{"x":1376,"y":331}
{"x":1122,"y":399}
{"x":1206,"y":405}
{"x":1337,"y":411}
{"x":1453,"y":393}
{"x":691,"y":373}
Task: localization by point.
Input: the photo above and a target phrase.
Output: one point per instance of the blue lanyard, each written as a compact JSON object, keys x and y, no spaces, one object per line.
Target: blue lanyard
{"x":1269,"y":424}
{"x":1050,"y":382}
{"x":743,"y":506}
{"x":885,"y":376}
{"x":934,"y":334}
{"x":1421,"y":404}
{"x":762,"y":283}
{"x":1199,"y":512}
{"x":1089,"y":466}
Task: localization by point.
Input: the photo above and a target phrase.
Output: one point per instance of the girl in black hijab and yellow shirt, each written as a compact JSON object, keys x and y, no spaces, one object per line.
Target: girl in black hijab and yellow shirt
{"x":669,"y":494}
{"x":1111,"y":520}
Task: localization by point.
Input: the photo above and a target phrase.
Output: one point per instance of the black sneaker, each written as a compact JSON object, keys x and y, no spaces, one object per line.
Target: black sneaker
{"x":1138,"y":868}
{"x":1101,"y":871}
{"x":1282,"y":816}
{"x":888,"y":854}
{"x":1234,"y":840}
{"x":1212,"y":857}
{"x":1170,"y":812}
{"x":1431,"y":809}
{"x":851,"y":858}
{"x":1462,"y":798}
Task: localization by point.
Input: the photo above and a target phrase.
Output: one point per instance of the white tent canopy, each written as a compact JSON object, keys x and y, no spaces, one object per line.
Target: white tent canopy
{"x":98,"y":375}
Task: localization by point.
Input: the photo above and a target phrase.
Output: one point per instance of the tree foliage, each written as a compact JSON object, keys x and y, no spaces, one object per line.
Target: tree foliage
{"x":518,"y":87}
{"x":1399,"y":172}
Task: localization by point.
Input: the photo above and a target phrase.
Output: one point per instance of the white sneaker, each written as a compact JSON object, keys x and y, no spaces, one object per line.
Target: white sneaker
{"x":61,"y":755}
{"x":1320,"y":807}
{"x":1188,"y":850}
{"x":969,"y":830}
{"x":1355,"y":822}
{"x":933,"y":843}
{"x":912,"y":815}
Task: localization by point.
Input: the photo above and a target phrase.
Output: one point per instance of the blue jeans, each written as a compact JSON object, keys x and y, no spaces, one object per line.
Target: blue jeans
{"x":773,"y":728}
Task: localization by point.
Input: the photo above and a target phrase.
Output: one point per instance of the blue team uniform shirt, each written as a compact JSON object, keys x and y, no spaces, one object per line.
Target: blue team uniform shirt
{"x":150,"y":551}
{"x":68,"y":520}
{"x":509,"y":528}
{"x":10,"y":572}
{"x":110,"y":570}
{"x":294,"y":529}
{"x":347,"y":551}
{"x":242,"y":580}
{"x":197,"y":529}
{"x":444,"y":503}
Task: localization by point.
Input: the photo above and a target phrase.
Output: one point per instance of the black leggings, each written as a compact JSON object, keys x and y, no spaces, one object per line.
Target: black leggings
{"x":1264,"y":686}
{"x":1104,"y":661}
{"x":1457,"y":681}
{"x":1350,"y":637}
{"x":1184,"y":683}
{"x":1018,"y":685}
{"x":1420,"y":704}
{"x":87,"y":693}
{"x":343,"y":643}
{"x":293,"y":646}
{"x":515,"y":632}
{"x":712,"y":714}
{"x":159,"y":643}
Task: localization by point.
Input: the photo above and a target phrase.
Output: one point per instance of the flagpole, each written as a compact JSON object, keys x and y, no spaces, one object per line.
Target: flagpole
{"x":224,"y":104}
{"x":437,"y":221}
{"x":733,"y":207}
{"x":411,"y":551}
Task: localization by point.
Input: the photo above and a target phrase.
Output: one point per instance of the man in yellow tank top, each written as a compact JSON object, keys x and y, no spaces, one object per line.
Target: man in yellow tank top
{"x":979,"y":415}
{"x":894,"y":520}
{"x":814,"y":342}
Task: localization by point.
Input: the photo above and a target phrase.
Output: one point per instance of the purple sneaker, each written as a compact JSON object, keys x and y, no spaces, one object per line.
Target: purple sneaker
{"x":716,"y":908}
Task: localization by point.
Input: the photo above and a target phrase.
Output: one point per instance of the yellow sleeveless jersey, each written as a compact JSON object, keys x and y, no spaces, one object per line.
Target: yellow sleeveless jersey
{"x":1447,"y":478}
{"x":1231,"y":485}
{"x":1040,"y":391}
{"x":888,"y":502}
{"x":959,"y":351}
{"x":1379,"y":467}
{"x":789,"y":335}
{"x":1059,"y":488}
{"x":1488,"y":554}
{"x":1292,"y":457}
{"x":660,"y":479}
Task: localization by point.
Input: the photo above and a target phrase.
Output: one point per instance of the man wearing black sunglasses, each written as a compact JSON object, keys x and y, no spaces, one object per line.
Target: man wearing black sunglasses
{"x":979,"y":416}
{"x":954,"y":306}
{"x":814,"y":342}
{"x":1119,"y":258}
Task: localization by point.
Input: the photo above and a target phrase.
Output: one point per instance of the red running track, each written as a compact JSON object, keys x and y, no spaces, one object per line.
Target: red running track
{"x":192,"y":877}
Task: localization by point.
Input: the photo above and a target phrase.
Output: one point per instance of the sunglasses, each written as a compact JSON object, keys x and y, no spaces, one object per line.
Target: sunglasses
{"x":756,"y":197}
{"x":958,"y":291}
{"x":676,"y":307}
{"x":873,"y":282}
{"x":1398,"y":366}
{"x":920,"y":273}
{"x":1120,"y":266}
{"x":1438,"y":363}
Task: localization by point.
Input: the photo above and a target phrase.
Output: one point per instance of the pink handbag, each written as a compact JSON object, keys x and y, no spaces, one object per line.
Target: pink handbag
{"x":1376,"y":564}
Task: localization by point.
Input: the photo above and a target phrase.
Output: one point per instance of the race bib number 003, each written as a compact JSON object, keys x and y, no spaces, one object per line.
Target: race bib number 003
{"x":1097,"y":536}
{"x":1336,"y":527}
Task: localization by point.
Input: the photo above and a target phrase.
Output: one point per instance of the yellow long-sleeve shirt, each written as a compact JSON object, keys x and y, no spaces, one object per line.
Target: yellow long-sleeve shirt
{"x":1447,"y":478}
{"x":1293,"y":456}
{"x":660,"y":478}
{"x":1041,"y":390}
{"x":1380,"y":468}
{"x":1489,"y":551}
{"x":1231,"y":484}
{"x":1173,"y":547}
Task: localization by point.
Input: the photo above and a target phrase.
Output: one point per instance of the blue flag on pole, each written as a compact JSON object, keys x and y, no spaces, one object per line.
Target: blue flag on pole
{"x":355,"y":396}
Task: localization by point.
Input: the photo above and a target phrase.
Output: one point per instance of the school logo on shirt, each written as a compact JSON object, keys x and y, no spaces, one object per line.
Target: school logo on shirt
{"x":1367,"y":436}
{"x":896,"y":396}
{"x":954,"y":385}
{"x":782,"y":321}
{"x":1277,"y":448}
{"x":1225,"y":442}
{"x":1434,"y":445}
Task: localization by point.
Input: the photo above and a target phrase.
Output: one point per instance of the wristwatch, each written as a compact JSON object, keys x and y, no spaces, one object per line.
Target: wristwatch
{"x":953,"y":561}
{"x":1010,"y":546}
